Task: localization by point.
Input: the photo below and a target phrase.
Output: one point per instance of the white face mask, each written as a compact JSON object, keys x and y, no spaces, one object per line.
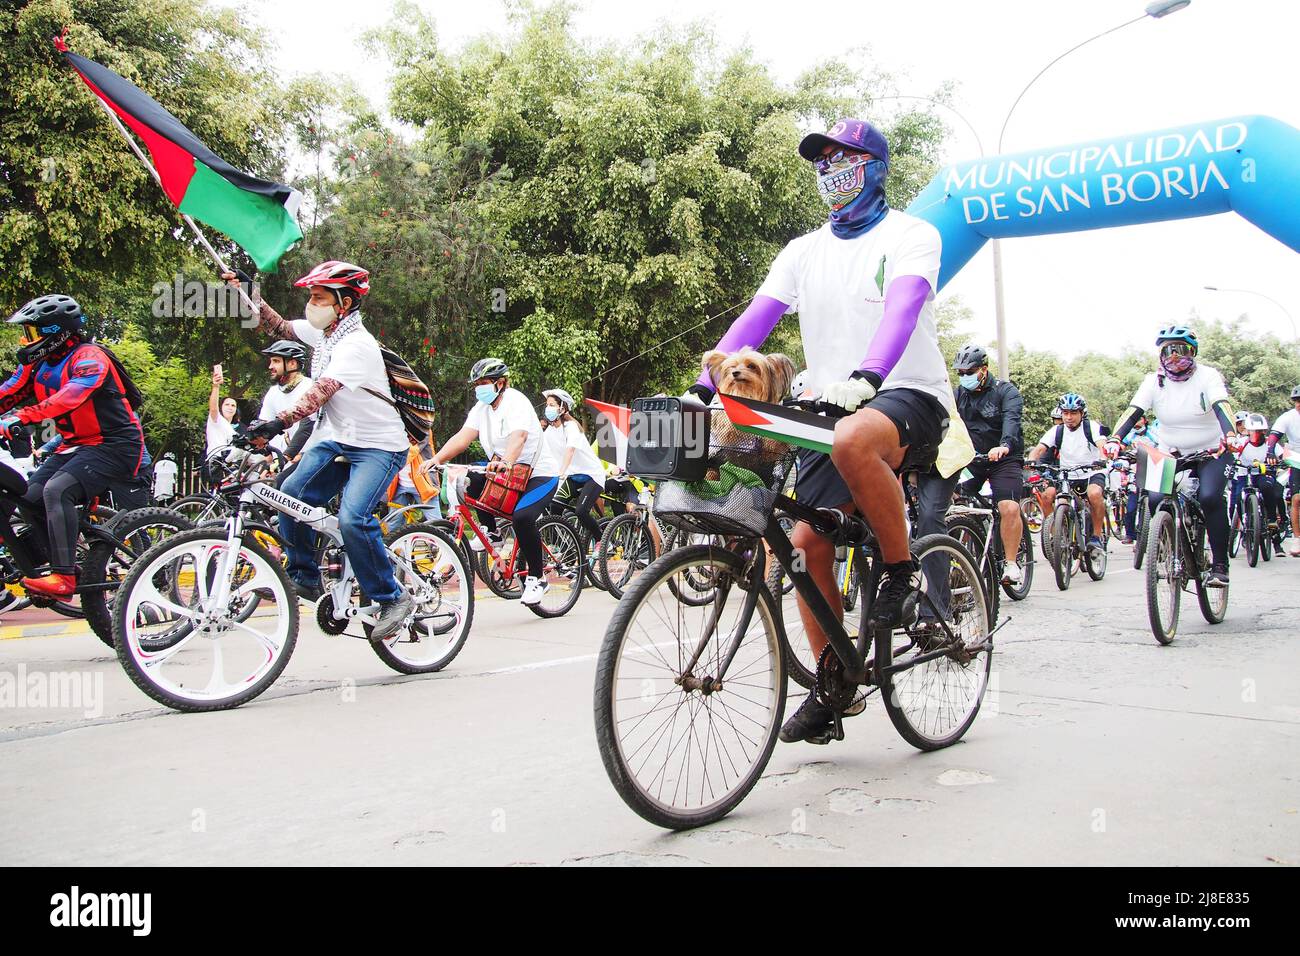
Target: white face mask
{"x":321,"y":316}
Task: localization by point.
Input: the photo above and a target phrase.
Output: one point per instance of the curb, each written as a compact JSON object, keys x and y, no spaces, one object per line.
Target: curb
{"x":72,"y":628}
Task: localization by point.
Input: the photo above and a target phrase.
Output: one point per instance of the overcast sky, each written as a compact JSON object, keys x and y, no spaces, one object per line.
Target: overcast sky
{"x":1093,"y":290}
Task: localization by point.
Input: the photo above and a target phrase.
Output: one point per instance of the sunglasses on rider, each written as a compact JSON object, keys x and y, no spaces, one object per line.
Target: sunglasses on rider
{"x":31,"y":335}
{"x":1177,"y":348}
{"x":824,"y":163}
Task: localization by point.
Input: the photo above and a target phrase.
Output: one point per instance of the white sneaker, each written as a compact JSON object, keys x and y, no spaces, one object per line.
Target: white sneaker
{"x":475,"y":542}
{"x":534,"y":588}
{"x":1011,"y":573}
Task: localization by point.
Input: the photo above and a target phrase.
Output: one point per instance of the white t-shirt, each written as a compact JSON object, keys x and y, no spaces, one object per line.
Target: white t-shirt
{"x":1288,"y":426}
{"x":1075,"y":451}
{"x":513,"y":412}
{"x":838,"y":288}
{"x":1185,"y":409}
{"x":278,"y":400}
{"x":164,"y":478}
{"x":1252,"y":454}
{"x":353,"y":416}
{"x":220,"y":433}
{"x":556,"y":442}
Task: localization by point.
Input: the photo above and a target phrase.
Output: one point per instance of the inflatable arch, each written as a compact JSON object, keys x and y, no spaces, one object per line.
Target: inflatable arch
{"x":1246,"y":164}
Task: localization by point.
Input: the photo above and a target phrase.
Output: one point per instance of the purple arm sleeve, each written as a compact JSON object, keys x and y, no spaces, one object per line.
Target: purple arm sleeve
{"x":903,"y":302}
{"x":752,"y":327}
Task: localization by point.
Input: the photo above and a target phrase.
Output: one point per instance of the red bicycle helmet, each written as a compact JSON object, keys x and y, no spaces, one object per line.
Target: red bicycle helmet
{"x":338,"y":276}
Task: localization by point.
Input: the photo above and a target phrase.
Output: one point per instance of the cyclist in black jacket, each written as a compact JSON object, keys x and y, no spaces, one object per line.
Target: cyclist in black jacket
{"x":991,"y":410}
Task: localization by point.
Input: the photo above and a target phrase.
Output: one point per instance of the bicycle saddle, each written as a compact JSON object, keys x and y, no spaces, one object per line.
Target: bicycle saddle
{"x":12,"y":481}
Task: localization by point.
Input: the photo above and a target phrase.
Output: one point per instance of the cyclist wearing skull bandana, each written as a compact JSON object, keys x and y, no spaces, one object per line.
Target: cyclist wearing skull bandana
{"x":863,"y":286}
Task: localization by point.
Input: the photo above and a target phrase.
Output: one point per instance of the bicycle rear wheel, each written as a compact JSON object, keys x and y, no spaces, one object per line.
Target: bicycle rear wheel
{"x":427,"y":562}
{"x":933,"y":698}
{"x":1251,"y":531}
{"x":684,"y":746}
{"x":495,"y":570}
{"x":107,"y":563}
{"x":969,"y":532}
{"x":1025,"y":561}
{"x":1164,"y":588}
{"x":563,"y":568}
{"x":1213,"y":601}
{"x":184,"y":650}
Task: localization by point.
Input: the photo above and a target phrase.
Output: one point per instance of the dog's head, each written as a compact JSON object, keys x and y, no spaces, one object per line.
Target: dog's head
{"x":750,"y":374}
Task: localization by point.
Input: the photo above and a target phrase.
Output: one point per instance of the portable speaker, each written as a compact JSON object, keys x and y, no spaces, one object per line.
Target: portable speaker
{"x":668,"y":439}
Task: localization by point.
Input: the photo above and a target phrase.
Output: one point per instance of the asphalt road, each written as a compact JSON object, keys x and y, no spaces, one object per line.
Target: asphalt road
{"x":1094,"y":746}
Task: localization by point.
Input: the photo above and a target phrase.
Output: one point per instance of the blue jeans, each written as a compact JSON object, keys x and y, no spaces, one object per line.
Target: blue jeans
{"x":432,"y":511}
{"x":364,"y":479}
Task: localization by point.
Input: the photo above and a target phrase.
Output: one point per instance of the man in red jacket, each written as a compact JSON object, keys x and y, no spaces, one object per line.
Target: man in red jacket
{"x":77,"y":384}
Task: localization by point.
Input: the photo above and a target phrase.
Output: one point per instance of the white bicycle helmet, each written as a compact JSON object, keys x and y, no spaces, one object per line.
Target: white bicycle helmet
{"x":561,"y":396}
{"x":1256,"y":422}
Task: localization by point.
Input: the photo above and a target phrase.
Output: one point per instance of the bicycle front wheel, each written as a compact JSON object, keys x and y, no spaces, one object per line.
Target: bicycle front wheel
{"x":684,"y":744}
{"x":626,"y":550}
{"x":1164,"y":586}
{"x":1025,"y":561}
{"x":186,"y":649}
{"x":932,"y":685}
{"x":1062,"y":525}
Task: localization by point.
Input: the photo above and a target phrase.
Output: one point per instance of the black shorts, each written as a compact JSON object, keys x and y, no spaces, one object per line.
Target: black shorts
{"x":1006,"y":477}
{"x":1293,"y":483}
{"x":921,"y":421}
{"x":1081,"y":487}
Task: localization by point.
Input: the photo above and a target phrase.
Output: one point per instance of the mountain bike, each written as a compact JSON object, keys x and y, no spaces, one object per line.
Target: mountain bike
{"x":1179,"y":556}
{"x":500,"y":562}
{"x":976,"y":517}
{"x":564,"y":505}
{"x":1071,"y":525}
{"x":689,"y":698}
{"x":179,"y":626}
{"x":630,"y":544}
{"x":107,"y":544}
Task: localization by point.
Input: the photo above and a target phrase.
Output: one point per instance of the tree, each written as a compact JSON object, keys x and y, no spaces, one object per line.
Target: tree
{"x":651,"y":184}
{"x":78,"y":213}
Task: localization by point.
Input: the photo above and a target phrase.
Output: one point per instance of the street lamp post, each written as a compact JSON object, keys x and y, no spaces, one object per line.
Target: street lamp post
{"x":1156,"y":10}
{"x":1290,"y":317}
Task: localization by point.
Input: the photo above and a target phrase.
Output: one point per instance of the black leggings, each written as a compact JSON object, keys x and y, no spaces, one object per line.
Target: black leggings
{"x":584,"y":504}
{"x":1213,"y":475}
{"x":50,"y":508}
{"x":524,"y":519}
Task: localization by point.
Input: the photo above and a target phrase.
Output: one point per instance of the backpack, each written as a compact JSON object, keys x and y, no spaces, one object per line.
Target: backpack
{"x":409,"y":395}
{"x":134,"y":397}
{"x":1086,"y":425}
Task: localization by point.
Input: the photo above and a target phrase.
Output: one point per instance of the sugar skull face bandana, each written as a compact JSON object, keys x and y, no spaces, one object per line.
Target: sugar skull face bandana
{"x":1178,"y":360}
{"x":853,"y":186}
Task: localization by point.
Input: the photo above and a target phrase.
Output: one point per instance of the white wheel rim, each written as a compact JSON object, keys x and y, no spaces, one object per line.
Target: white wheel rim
{"x":434,"y":571}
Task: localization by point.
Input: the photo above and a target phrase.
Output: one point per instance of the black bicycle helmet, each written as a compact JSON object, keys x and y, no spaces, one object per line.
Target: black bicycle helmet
{"x":49,"y":321}
{"x":970,"y":356}
{"x":286,"y":350}
{"x":490,"y":368}
{"x":1295,"y":394}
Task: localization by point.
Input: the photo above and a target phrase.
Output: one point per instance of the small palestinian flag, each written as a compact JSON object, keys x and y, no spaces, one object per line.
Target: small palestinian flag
{"x":613,"y":423}
{"x":1290,"y":457}
{"x":1155,"y":470}
{"x":257,"y":214}
{"x":790,"y":425}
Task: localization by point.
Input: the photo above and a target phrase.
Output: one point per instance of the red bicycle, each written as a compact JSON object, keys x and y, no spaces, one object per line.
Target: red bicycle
{"x":497,"y":557}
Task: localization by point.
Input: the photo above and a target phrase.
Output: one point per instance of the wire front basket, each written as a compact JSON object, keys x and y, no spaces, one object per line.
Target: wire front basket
{"x":737,"y":496}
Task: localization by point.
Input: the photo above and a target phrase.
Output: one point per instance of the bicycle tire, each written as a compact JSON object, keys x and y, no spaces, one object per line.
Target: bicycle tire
{"x":609,"y":701}
{"x":453,"y":640}
{"x":1140,"y":522}
{"x":627,"y":532}
{"x":1163,"y":545}
{"x":488,"y":566}
{"x":1251,"y":532}
{"x":1213,"y":601}
{"x":97,"y":605}
{"x":1062,"y":546}
{"x":149,"y":564}
{"x":564,"y":546}
{"x":969,"y":530}
{"x":895,"y":686}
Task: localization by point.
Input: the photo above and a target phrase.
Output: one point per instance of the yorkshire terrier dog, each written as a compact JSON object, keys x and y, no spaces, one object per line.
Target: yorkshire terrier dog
{"x":748,"y":374}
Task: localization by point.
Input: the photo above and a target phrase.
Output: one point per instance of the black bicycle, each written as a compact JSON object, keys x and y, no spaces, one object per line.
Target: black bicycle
{"x":1179,"y":554}
{"x":689,"y":698}
{"x":1071,"y":525}
{"x":107,"y":544}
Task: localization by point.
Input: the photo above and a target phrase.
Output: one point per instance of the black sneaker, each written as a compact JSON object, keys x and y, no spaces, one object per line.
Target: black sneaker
{"x":1278,"y":550}
{"x":311,"y":593}
{"x":1218,"y":576}
{"x":813,"y":721}
{"x":391,"y":616}
{"x":898,"y":582}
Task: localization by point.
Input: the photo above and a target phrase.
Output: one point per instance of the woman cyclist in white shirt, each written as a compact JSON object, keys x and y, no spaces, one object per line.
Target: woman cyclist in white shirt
{"x":569,"y":452}
{"x":1191,"y":401}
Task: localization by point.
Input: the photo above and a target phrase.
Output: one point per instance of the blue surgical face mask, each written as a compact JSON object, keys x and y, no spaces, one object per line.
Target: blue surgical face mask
{"x":486,"y":394}
{"x":552,"y":413}
{"x":971,"y":382}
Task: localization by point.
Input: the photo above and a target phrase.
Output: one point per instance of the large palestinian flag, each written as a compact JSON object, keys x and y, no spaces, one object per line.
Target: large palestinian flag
{"x":257,"y":214}
{"x":790,"y":425}
{"x":1155,"y":470}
